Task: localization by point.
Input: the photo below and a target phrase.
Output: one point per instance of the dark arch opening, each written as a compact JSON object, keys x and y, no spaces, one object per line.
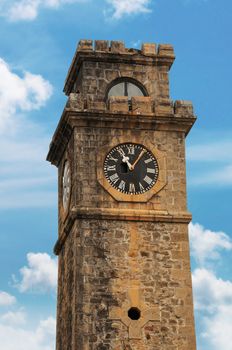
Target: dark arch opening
{"x":125,"y":87}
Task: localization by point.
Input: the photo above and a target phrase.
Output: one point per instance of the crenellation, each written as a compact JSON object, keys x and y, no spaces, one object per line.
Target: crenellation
{"x":183,"y":108}
{"x":141,"y":105}
{"x":118,"y":47}
{"x":118,"y":104}
{"x":165,"y":50}
{"x":116,"y":56}
{"x":144,"y":105}
{"x":163,"y":106}
{"x":149,"y":49}
{"x":101,"y":45}
{"x":85,"y":45}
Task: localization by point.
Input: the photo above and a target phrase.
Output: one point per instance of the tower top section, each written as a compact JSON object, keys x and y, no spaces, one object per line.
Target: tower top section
{"x":113,"y":85}
{"x":104,"y":51}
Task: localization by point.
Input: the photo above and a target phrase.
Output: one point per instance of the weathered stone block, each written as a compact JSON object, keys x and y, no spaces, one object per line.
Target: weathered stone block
{"x":141,"y":105}
{"x":118,"y":104}
{"x":163,"y":106}
{"x":96,"y":105}
{"x":165,"y":50}
{"x":75,"y":101}
{"x":183,"y":108}
{"x":101,"y":45}
{"x":85,"y":45}
{"x":117,"y":47}
{"x":149,"y":49}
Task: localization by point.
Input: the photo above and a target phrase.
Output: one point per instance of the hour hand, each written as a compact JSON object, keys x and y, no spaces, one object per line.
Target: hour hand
{"x":126,"y":160}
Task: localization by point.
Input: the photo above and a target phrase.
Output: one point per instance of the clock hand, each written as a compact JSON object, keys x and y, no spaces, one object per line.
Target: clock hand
{"x":126,"y":160}
{"x":139,"y":157}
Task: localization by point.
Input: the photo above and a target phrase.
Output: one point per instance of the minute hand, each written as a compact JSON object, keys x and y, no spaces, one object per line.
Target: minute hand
{"x":136,"y":161}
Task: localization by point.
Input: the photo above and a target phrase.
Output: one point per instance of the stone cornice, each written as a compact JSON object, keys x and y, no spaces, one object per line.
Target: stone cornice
{"x":83,"y":213}
{"x":74,"y":118}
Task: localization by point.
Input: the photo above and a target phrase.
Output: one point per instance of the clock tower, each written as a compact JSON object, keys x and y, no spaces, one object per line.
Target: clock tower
{"x":124,"y":268}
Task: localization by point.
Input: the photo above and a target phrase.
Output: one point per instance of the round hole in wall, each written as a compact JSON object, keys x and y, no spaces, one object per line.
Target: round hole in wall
{"x":134,"y":313}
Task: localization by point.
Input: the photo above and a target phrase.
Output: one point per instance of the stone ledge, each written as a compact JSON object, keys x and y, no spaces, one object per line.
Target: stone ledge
{"x":83,"y":213}
{"x":103,"y":119}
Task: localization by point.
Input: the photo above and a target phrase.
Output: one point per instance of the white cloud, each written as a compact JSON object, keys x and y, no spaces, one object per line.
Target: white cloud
{"x":28,"y":10}
{"x":45,"y":333}
{"x":19,"y":94}
{"x":219,"y":163}
{"x":6,"y":299}
{"x":23,"y":338}
{"x":210,"y":292}
{"x":213,"y":298}
{"x":206,"y":244}
{"x":218,"y":329}
{"x":40,"y":275}
{"x":210,"y":152}
{"x":24,"y":175}
{"x":119,"y":8}
{"x":220,"y":177}
{"x":13,"y":318}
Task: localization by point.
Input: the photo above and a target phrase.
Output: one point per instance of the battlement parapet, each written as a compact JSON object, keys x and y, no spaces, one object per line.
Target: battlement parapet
{"x":139,"y":105}
{"x":103,"y":55}
{"x":147,"y":49}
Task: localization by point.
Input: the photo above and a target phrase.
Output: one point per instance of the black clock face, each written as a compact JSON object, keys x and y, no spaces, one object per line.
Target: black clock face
{"x":131,"y":168}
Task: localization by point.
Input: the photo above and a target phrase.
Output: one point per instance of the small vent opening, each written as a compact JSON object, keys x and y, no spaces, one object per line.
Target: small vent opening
{"x":134,"y":313}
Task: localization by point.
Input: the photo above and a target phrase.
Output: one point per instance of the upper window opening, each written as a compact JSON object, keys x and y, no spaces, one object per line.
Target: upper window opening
{"x":125,"y":88}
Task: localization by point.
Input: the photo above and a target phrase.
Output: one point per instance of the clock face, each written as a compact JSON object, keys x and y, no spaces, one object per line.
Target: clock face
{"x":66,"y":184}
{"x":131,"y":168}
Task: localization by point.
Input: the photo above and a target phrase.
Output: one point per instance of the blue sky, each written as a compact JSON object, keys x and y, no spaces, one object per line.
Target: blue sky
{"x":38,"y":40}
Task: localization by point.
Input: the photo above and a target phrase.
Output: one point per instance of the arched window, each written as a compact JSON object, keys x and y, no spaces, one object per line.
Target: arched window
{"x":126,"y":87}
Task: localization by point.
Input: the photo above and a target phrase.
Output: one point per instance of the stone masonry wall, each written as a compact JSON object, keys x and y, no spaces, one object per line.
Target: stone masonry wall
{"x":107,"y":267}
{"x":90,"y":141}
{"x":98,"y":75}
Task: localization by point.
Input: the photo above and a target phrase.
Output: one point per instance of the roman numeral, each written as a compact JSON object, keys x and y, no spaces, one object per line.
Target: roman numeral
{"x":132,"y":188}
{"x":151,"y":171}
{"x":131,"y":149}
{"x":121,"y":152}
{"x":147,"y":179}
{"x":111,"y":168}
{"x":114,"y":178}
{"x":141,"y":187}
{"x":148,"y":160}
{"x":122,"y":185}
{"x":112,"y":158}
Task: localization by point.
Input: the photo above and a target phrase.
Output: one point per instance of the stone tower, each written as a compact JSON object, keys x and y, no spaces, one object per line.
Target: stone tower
{"x":124,"y":267}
